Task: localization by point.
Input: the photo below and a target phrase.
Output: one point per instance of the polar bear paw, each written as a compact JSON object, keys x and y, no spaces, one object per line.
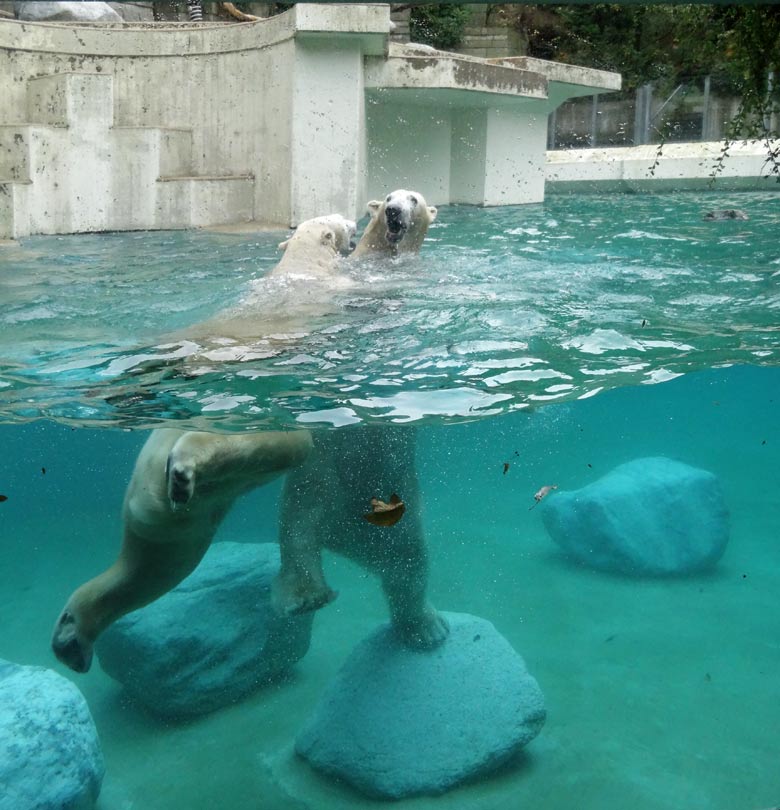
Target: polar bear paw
{"x":293,"y":596}
{"x":68,"y":645}
{"x":180,"y":480}
{"x":426,"y":632}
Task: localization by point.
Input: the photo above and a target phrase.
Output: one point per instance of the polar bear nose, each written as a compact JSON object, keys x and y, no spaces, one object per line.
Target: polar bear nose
{"x":394,"y":215}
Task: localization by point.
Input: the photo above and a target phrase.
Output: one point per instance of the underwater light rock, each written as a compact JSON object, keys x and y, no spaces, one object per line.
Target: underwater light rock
{"x":211,"y":640}
{"x":50,"y":755}
{"x":397,"y":723}
{"x":648,"y":517}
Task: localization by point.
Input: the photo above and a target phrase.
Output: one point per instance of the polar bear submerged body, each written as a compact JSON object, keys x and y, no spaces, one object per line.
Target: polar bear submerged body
{"x":323,"y":503}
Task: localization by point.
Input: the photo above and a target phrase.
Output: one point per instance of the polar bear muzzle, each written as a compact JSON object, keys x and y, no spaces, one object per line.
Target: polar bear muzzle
{"x":400,"y":207}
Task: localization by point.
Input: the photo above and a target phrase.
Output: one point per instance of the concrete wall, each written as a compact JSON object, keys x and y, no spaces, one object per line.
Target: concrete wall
{"x":257,"y":100}
{"x":129,"y":126}
{"x":678,"y":167}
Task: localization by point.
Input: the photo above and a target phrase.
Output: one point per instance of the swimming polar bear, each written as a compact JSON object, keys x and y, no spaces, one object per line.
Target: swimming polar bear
{"x":398,"y":224}
{"x":298,"y":288}
{"x":183,"y":485}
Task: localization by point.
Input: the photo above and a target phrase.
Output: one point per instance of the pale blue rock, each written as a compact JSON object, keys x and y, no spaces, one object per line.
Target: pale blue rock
{"x":50,"y":755}
{"x":648,"y":517}
{"x":73,"y":11}
{"x":211,"y":640}
{"x":396,"y":723}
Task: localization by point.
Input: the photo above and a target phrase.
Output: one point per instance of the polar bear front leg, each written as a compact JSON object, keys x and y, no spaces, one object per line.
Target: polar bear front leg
{"x":226,"y":465}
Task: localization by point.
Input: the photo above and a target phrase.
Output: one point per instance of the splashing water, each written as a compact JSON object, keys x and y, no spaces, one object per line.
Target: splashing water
{"x":505,"y":308}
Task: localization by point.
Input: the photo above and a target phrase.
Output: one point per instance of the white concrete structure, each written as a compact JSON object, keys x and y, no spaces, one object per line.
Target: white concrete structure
{"x":673,"y":167}
{"x":136,"y":126}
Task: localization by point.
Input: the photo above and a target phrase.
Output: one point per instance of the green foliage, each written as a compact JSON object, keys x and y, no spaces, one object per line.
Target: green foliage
{"x":440,"y":25}
{"x":737,"y":46}
{"x":652,"y":43}
{"x":752,"y":48}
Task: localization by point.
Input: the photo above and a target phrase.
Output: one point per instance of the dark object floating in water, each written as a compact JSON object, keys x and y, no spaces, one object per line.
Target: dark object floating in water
{"x":43,"y":470}
{"x":506,"y":467}
{"x":386,"y":514}
{"x":707,"y":677}
{"x":725,"y":213}
{"x":644,"y":322}
{"x":542,"y":493}
{"x":3,"y":498}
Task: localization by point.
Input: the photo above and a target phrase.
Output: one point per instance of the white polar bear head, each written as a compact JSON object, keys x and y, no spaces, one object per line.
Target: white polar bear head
{"x":331,"y":231}
{"x":398,"y":223}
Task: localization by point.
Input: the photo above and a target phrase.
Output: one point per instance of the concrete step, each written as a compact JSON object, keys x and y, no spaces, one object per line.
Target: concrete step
{"x":15,"y":152}
{"x":14,"y":217}
{"x":89,"y":175}
{"x":172,"y":147}
{"x":71,"y":100}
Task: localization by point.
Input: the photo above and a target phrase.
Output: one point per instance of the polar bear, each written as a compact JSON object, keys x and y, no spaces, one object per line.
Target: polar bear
{"x":323,"y":505}
{"x":325,"y":498}
{"x":398,"y":224}
{"x":183,"y":485}
{"x":299,"y":288}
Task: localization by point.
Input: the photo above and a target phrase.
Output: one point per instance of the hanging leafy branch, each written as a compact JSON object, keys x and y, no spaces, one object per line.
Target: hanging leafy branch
{"x":667,"y":45}
{"x":753,"y":48}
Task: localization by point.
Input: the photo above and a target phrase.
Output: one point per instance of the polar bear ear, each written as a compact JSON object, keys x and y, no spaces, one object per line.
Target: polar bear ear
{"x":432,"y":212}
{"x":373,"y":208}
{"x":283,"y":245}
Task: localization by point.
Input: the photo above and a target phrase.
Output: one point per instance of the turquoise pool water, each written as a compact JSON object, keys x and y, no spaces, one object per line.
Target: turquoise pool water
{"x":505,"y":308}
{"x":661,"y":693}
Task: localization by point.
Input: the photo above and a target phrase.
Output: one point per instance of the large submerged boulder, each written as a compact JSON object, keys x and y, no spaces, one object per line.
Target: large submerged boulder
{"x":397,"y":723}
{"x":211,"y":640}
{"x":649,"y":517}
{"x":75,"y":11}
{"x":50,"y":756}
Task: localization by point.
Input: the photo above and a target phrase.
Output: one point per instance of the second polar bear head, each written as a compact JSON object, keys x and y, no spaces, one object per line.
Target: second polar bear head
{"x":332,"y":230}
{"x":398,"y":223}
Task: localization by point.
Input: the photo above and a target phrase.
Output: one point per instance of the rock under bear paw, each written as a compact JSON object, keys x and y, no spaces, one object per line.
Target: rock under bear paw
{"x":424,"y":633}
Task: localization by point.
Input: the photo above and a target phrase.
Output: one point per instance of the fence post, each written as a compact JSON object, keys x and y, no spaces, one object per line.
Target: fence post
{"x":644,"y":100}
{"x":551,"y":120}
{"x":706,"y":126}
{"x":594,"y":121}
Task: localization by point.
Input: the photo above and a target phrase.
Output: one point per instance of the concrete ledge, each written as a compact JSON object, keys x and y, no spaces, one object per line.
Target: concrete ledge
{"x":590,"y":78}
{"x":678,"y":166}
{"x":187,"y":39}
{"x":450,"y":72}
